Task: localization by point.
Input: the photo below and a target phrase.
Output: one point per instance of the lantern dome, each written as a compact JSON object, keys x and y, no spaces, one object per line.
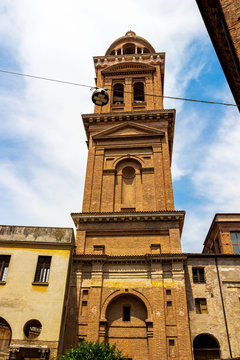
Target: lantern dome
{"x":130,"y":44}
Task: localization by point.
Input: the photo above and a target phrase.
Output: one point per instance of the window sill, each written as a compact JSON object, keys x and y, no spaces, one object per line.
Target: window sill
{"x":40,"y":283}
{"x":139,"y":103}
{"x":2,"y":282}
{"x":117,"y":106}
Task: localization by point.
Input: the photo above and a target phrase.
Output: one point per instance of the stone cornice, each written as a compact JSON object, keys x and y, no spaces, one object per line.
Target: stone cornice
{"x":215,"y":256}
{"x":133,"y":259}
{"x":137,"y":216}
{"x":167,"y":115}
{"x":147,"y":258}
{"x":35,"y":244}
{"x":108,"y":60}
{"x":222,"y":218}
{"x":128,"y":68}
{"x":36,"y":235}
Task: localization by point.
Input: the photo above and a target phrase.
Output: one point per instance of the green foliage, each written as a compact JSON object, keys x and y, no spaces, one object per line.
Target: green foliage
{"x":89,"y":351}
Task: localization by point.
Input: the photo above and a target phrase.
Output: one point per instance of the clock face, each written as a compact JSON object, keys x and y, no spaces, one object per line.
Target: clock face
{"x":100,"y":97}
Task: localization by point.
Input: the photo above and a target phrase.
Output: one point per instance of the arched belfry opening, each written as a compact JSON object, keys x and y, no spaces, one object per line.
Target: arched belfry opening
{"x":126,"y":317}
{"x":129,"y":49}
{"x":206,"y":347}
{"x":128,"y":185}
{"x":138,"y":92}
{"x":118,"y":93}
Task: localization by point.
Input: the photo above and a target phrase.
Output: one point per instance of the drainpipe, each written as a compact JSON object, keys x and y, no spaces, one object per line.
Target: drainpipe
{"x":223,"y":307}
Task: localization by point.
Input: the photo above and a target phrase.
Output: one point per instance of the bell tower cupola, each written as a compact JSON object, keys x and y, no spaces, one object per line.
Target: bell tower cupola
{"x":132,"y":72}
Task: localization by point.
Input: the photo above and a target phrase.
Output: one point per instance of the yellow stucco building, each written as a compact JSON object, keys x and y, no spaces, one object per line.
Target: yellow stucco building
{"x":34,"y":271}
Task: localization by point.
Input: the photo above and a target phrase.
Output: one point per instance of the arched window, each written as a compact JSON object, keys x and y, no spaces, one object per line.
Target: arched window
{"x":129,"y":49}
{"x":206,"y":347}
{"x":138,"y":92}
{"x":118,"y":94}
{"x":146,"y":51}
{"x":5,"y":335}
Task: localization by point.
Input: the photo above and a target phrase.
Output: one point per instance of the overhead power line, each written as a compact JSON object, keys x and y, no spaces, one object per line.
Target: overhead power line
{"x":45,"y":78}
{"x":128,"y":92}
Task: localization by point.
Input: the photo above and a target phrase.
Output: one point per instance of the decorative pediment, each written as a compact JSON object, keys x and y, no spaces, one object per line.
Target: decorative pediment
{"x":129,"y":129}
{"x":128,"y":67}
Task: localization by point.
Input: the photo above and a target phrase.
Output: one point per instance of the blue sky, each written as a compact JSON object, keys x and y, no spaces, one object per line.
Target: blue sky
{"x":42,"y":141}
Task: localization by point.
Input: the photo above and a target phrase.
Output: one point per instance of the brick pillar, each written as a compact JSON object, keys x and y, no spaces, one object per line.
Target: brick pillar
{"x":159,"y":178}
{"x":94,"y":307}
{"x":97,"y":180}
{"x":158,"y":349}
{"x":89,"y":178}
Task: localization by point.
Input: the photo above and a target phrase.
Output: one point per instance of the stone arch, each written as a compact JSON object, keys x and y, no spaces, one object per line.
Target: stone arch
{"x":132,"y":292}
{"x":5,"y":336}
{"x":135,"y":158}
{"x":129,"y":48}
{"x":206,"y":347}
{"x":125,"y":322}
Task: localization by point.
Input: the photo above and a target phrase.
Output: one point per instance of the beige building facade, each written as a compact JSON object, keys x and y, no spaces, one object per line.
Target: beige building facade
{"x":34,"y":270}
{"x":213,"y":295}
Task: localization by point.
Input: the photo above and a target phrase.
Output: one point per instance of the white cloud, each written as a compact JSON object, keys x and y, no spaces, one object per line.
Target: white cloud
{"x":217,"y":178}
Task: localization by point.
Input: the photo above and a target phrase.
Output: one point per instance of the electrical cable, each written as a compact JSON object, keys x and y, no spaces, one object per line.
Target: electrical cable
{"x":126,"y":92}
{"x":47,"y":79}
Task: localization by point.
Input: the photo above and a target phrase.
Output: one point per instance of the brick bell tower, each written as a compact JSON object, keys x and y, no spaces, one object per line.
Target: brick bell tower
{"x":127,"y":285}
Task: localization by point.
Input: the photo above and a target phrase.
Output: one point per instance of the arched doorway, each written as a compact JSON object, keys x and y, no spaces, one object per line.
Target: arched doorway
{"x":5,"y":336}
{"x":126,"y":326}
{"x":206,"y":347}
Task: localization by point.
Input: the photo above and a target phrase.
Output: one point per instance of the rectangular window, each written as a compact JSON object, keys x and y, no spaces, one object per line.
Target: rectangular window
{"x":155,"y":248}
{"x":84,"y":308}
{"x":201,"y":306}
{"x":4,"y":263}
{"x":198,"y":275}
{"x":99,"y":249}
{"x":169,"y":308}
{"x":126,"y":313}
{"x":168,"y":292}
{"x":43,"y":269}
{"x":171,"y":348}
{"x":235,"y":237}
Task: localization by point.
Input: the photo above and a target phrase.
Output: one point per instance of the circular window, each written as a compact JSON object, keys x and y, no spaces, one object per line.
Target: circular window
{"x":128,"y":172}
{"x":32,"y":329}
